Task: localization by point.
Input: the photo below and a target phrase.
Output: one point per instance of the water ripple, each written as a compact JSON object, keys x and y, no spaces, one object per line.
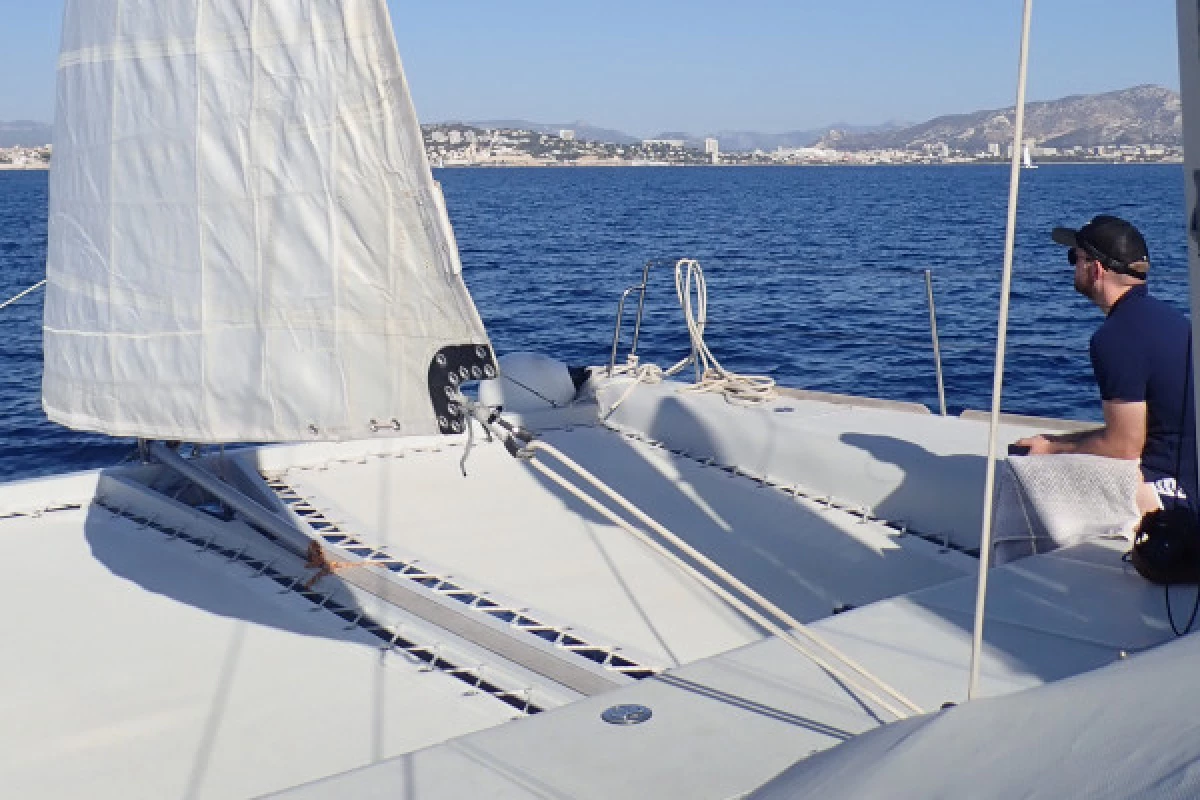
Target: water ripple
{"x":814,"y":274}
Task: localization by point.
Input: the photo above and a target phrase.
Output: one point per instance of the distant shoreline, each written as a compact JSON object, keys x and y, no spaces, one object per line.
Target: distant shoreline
{"x":859,"y":165}
{"x":46,"y":167}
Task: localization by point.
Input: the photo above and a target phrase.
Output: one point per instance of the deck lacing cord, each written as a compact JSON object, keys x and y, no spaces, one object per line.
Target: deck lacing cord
{"x":522,"y":444}
{"x":735,"y":387}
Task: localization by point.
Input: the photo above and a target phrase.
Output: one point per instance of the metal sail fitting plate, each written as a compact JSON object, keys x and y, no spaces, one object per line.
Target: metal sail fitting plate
{"x":451,"y":368}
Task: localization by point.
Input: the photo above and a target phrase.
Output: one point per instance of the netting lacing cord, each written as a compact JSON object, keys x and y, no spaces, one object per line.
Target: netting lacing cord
{"x":735,"y":387}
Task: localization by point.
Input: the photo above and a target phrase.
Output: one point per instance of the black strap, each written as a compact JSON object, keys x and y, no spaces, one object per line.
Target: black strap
{"x":1187,"y":377}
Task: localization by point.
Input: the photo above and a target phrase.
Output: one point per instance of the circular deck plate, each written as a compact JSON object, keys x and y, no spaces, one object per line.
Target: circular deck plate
{"x":627,"y":715}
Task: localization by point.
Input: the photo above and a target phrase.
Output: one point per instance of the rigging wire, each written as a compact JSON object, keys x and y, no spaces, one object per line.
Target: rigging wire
{"x":30,"y":290}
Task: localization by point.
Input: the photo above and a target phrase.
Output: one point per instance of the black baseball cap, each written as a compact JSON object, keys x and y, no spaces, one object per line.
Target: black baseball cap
{"x":1112,"y":241}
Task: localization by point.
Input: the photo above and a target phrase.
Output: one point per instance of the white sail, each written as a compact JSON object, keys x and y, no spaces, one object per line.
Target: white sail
{"x":246,"y":242}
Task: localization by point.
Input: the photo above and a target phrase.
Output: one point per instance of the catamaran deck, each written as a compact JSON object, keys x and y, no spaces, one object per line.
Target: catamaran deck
{"x":148,"y":626}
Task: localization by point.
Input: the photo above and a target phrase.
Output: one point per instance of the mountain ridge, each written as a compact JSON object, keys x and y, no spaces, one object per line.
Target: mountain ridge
{"x":1139,"y":115}
{"x":25,"y":133}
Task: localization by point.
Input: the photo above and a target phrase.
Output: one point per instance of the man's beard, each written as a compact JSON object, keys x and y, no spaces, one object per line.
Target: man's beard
{"x":1083,"y":288}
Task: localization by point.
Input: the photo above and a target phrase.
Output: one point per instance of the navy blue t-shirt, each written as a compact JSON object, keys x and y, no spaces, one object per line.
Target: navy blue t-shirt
{"x":1140,"y":354}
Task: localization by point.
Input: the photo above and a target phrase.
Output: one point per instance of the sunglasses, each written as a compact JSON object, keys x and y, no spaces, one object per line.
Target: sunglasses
{"x":1073,"y":256}
{"x":1091,"y":254}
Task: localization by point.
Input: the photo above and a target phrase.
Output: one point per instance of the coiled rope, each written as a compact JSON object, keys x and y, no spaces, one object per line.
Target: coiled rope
{"x":734,"y":387}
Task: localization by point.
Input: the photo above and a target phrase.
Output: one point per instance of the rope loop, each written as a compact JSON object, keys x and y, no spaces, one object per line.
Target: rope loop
{"x":734,"y":387}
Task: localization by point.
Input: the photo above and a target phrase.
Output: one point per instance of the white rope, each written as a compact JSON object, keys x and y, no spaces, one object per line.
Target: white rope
{"x":735,"y":387}
{"x":989,"y":484}
{"x":761,"y":609}
{"x":31,"y":289}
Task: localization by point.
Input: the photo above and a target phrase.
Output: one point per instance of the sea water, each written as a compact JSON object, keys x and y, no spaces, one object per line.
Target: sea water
{"x":814,"y":274}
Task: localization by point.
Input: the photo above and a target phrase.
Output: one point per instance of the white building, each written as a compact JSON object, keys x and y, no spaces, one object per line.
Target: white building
{"x":713,"y":149}
{"x":456,"y":137}
{"x":680,"y":143}
{"x":567,"y":135}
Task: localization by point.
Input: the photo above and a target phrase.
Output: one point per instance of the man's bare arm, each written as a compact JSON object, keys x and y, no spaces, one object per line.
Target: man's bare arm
{"x":1123,"y":435}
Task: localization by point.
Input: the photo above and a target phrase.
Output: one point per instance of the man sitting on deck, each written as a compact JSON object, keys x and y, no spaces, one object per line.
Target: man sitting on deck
{"x":1141,"y":357}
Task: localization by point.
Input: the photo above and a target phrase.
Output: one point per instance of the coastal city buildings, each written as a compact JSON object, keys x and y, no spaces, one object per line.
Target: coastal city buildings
{"x":25,"y":157}
{"x":713,"y":149}
{"x":459,"y":145}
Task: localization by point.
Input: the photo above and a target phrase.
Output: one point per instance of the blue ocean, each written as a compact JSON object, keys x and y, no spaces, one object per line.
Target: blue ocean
{"x":815,"y":277}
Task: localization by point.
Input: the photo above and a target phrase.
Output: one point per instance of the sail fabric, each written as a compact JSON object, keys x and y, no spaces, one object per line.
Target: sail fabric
{"x":1126,"y":730}
{"x":246,"y":241}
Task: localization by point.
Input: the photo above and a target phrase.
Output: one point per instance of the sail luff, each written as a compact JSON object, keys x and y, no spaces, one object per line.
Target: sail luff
{"x":277,"y":261}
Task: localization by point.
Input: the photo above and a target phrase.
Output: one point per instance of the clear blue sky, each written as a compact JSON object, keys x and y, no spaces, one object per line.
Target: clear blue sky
{"x":702,"y":66}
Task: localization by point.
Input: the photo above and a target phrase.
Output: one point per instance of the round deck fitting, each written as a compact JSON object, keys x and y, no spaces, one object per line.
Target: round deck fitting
{"x":627,"y":715}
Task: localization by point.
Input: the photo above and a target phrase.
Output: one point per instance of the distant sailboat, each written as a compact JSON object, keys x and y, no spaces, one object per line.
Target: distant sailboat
{"x":1026,"y":161}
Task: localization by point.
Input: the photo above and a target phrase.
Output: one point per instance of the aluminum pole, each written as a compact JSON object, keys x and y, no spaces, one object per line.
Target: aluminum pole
{"x":1188,"y":23}
{"x":989,"y":487}
{"x":289,"y":536}
{"x":937,"y":351}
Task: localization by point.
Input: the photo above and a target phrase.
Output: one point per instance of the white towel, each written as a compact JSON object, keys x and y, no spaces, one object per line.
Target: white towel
{"x":1046,"y":502}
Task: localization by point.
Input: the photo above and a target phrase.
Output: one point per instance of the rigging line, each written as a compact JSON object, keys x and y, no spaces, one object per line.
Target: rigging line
{"x":989,"y":487}
{"x":718,"y":590}
{"x":30,"y":290}
{"x":531,"y":390}
{"x":758,"y":608}
{"x":522,"y":445}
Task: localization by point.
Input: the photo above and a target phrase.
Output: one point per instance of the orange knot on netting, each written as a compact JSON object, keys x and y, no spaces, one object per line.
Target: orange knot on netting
{"x":324,"y":565}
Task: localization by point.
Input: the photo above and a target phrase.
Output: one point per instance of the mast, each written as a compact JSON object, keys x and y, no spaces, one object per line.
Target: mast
{"x":1188,"y":26}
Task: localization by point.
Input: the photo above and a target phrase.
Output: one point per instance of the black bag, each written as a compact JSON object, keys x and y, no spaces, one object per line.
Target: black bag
{"x":1166,"y":543}
{"x":1166,"y":547}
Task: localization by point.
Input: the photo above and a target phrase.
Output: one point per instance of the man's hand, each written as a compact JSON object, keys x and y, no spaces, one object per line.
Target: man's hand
{"x":1038,"y":445}
{"x":1123,"y":435}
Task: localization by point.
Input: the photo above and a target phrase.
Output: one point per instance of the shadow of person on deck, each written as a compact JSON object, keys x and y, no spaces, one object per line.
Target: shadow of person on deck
{"x":938,"y":495}
{"x":797,"y":555}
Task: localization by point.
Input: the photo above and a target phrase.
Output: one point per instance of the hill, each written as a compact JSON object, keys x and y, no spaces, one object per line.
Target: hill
{"x":1143,"y":115}
{"x":24,"y":133}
